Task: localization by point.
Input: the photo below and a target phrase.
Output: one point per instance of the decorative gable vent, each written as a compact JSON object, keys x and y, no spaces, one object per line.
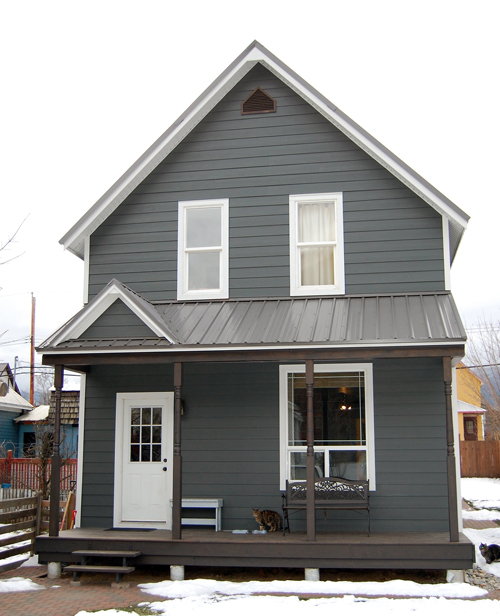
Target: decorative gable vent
{"x":258,"y":102}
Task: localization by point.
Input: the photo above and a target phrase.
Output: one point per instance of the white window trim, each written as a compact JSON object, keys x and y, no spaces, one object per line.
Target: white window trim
{"x":369,"y":417}
{"x":223,"y":291}
{"x":295,"y":287}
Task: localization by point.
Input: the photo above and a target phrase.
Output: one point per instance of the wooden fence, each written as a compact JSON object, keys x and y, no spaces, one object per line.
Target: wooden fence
{"x":480,"y":458}
{"x":26,"y":473}
{"x":19,"y":523}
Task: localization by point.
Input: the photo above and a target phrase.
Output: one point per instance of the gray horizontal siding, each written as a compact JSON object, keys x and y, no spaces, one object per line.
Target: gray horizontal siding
{"x":257,"y":162}
{"x":230,"y":442}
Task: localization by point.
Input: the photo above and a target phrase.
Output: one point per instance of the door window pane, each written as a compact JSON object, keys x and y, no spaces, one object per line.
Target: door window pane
{"x":145,"y":429}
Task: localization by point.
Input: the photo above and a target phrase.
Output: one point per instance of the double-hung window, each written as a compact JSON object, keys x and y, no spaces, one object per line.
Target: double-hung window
{"x":316,"y":244}
{"x":203,"y":264}
{"x":344,"y":444}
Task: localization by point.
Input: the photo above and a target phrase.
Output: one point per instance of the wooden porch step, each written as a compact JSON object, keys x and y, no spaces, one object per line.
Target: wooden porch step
{"x":90,"y":567}
{"x":98,"y":569}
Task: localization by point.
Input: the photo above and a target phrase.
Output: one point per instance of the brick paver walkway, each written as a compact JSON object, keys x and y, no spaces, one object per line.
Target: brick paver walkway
{"x":62,"y":599}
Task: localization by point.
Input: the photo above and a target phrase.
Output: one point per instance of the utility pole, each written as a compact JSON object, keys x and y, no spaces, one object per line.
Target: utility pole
{"x":32,"y":362}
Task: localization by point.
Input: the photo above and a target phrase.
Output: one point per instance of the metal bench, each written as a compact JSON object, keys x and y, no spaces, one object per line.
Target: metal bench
{"x":329,"y":493}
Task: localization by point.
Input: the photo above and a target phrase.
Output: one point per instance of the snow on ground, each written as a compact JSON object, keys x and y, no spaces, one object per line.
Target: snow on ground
{"x":482,"y":493}
{"x":19,"y":584}
{"x":397,"y":588}
{"x":293,"y":606}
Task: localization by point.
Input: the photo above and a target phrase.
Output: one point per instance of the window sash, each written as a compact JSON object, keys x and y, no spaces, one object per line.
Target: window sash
{"x":316,"y":244}
{"x":202,"y":259}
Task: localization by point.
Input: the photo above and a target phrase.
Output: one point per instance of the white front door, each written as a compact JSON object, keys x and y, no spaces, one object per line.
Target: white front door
{"x":143,"y":459}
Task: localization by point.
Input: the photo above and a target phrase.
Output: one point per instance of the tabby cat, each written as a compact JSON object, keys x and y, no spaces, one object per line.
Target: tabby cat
{"x":267,"y":518}
{"x":490,"y":552}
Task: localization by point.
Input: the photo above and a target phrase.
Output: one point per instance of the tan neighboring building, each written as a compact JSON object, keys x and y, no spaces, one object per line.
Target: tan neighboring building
{"x":470,"y":413}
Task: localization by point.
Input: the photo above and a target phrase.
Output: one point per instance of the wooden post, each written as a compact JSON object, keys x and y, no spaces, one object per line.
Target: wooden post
{"x":450,"y":458}
{"x":55,"y":473}
{"x":177,"y":462}
{"x":311,"y":513}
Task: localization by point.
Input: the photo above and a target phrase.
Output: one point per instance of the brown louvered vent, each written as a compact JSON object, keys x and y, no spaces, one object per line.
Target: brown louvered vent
{"x":258,"y":102}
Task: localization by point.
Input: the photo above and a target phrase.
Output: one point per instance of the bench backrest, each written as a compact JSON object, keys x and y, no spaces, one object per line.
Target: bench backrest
{"x":328,"y":491}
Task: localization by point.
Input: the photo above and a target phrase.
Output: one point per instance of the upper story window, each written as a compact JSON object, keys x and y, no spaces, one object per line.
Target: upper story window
{"x":316,"y":244}
{"x":203,"y":265}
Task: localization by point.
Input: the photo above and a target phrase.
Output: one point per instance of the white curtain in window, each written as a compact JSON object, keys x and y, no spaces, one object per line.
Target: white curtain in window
{"x":316,"y":223}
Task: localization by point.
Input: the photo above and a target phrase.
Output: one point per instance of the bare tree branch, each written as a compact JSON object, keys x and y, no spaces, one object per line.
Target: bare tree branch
{"x":483,"y":358}
{"x":9,"y":241}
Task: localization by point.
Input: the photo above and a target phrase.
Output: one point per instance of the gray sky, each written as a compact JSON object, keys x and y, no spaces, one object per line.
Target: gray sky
{"x":88,"y":86}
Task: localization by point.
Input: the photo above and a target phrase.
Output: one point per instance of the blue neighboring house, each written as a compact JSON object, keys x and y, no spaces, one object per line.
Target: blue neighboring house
{"x":12,"y":404}
{"x":26,"y":424}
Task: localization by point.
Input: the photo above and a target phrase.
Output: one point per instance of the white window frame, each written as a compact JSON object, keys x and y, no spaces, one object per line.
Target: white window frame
{"x":286,"y":449}
{"x":182,"y":270}
{"x":296,"y":288}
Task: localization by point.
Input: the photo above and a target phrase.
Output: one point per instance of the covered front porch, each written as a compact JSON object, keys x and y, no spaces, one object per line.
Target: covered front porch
{"x":203,"y":547}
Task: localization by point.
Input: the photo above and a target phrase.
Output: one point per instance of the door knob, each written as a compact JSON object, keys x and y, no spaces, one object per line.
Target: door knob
{"x":164,"y":468}
{"x":164,"y":459}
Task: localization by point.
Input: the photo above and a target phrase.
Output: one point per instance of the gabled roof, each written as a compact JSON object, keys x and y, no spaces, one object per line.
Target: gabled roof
{"x":114,"y":290}
{"x":14,"y":402}
{"x":74,"y":240}
{"x":411,"y":319}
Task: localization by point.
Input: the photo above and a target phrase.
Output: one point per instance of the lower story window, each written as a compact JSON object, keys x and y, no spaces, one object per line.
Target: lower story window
{"x":343,"y":422}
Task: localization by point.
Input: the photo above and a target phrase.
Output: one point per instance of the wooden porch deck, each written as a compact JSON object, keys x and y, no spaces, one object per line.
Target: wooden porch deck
{"x":203,"y":547}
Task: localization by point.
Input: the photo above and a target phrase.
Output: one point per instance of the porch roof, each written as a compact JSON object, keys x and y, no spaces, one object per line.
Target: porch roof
{"x":388,"y":320}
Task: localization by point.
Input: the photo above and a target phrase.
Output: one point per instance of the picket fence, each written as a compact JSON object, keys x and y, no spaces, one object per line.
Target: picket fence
{"x":24,"y":474}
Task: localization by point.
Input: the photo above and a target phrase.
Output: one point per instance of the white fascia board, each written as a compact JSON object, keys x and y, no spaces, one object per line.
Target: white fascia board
{"x":203,"y":349}
{"x":74,"y":239}
{"x":99,"y":305}
{"x":446,"y":254}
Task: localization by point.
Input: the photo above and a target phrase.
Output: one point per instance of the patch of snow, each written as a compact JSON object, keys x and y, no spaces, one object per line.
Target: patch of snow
{"x":19,"y":584}
{"x":396,"y":588}
{"x":293,"y":606}
{"x":481,"y":491}
{"x":481,"y":514}
{"x":32,"y":561}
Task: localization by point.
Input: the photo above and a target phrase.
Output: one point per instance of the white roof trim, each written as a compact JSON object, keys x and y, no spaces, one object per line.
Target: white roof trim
{"x":90,"y":313}
{"x":275,"y":347}
{"x":469,"y":409}
{"x":75,"y":237}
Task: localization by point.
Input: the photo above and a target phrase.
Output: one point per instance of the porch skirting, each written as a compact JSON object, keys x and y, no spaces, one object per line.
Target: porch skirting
{"x":330,"y":550}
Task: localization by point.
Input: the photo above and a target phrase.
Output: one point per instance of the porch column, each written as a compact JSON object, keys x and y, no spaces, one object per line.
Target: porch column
{"x":450,"y":458}
{"x":311,"y":513}
{"x":177,"y":461}
{"x":55,"y":471}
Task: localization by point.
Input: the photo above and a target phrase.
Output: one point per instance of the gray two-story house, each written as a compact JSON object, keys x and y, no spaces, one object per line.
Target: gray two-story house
{"x":266,"y":251}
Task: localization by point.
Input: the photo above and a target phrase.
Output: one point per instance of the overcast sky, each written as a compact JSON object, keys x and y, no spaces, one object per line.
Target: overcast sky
{"x":88,"y":86}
